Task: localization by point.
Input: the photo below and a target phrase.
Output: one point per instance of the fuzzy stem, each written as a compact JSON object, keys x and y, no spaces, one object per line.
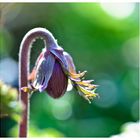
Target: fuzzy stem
{"x":24,"y":61}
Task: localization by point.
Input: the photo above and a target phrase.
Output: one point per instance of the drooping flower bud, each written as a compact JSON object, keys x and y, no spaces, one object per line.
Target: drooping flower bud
{"x":53,"y":69}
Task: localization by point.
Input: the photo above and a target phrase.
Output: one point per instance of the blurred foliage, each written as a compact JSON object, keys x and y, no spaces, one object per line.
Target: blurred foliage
{"x":35,"y":132}
{"x":9,"y":104}
{"x":104,"y":45}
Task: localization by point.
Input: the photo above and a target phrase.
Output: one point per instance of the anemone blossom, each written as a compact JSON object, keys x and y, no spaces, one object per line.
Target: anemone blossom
{"x":53,"y":69}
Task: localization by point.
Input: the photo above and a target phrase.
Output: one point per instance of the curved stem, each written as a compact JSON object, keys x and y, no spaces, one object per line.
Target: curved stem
{"x":24,"y":57}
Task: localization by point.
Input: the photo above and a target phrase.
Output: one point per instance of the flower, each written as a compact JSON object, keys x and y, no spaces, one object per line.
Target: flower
{"x":53,"y":68}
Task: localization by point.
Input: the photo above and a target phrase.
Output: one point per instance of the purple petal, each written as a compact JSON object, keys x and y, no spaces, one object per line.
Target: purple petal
{"x":59,"y":54}
{"x":69,"y":62}
{"x":44,"y":72}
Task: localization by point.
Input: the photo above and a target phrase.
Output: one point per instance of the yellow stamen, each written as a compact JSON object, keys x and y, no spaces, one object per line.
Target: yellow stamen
{"x":86,"y":84}
{"x":79,"y":75}
{"x":90,"y":86}
{"x":82,"y":83}
{"x":86,"y":92}
{"x":26,"y":89}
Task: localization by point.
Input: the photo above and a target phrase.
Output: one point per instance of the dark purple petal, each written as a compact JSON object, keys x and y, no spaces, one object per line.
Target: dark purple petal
{"x":44,"y":72}
{"x":58,"y":82}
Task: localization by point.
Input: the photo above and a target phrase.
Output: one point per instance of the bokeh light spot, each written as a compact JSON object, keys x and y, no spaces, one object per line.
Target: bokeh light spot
{"x":8,"y":70}
{"x":62,"y":110}
{"x":130,"y":52}
{"x":118,"y":10}
{"x":108,"y":94}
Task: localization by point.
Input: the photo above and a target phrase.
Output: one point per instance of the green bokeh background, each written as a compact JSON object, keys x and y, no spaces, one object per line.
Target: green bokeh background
{"x":105,"y":46}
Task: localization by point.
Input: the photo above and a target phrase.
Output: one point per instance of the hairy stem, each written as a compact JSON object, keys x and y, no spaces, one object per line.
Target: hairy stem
{"x":24,"y":61}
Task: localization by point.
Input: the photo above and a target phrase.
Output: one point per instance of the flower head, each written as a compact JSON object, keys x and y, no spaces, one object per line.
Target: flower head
{"x":53,"y":68}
